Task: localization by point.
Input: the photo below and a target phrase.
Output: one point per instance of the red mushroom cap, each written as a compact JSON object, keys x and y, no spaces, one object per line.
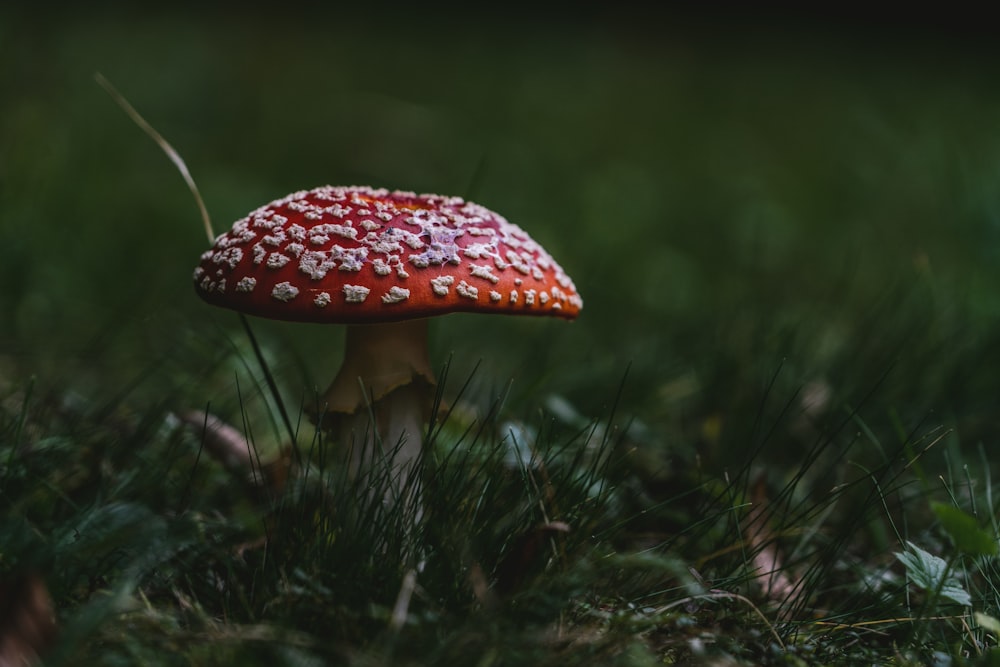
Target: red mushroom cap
{"x":357,"y":254}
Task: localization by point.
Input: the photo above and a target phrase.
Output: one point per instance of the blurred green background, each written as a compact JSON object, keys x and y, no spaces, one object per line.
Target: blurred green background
{"x":739,"y":201}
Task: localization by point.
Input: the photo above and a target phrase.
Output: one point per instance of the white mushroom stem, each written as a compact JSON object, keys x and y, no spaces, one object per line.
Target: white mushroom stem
{"x":379,"y":402}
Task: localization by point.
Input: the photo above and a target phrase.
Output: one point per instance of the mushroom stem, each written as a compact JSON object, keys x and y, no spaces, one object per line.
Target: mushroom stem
{"x":380,"y":401}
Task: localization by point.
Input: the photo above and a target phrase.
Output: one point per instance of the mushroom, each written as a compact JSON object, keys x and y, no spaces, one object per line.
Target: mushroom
{"x":380,"y":262}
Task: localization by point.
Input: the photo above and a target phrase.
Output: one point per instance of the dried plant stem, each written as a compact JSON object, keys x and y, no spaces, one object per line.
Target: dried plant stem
{"x":164,"y":146}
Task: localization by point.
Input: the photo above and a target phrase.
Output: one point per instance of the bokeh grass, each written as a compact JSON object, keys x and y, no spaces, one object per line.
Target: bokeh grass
{"x":785,"y":236}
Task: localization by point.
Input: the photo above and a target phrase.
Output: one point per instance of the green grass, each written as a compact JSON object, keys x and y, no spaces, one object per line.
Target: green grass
{"x":786,"y":240}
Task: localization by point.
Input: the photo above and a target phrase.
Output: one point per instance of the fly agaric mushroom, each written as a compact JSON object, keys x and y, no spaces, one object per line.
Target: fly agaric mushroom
{"x":381,"y":262}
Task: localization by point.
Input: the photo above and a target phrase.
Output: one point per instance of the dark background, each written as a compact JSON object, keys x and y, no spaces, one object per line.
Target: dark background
{"x":749,"y":202}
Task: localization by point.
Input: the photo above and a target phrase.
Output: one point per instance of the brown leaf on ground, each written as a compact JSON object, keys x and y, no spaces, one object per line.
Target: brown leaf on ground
{"x":27,"y":620}
{"x":774,"y":580}
{"x":229,"y":446}
{"x":524,"y":556}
